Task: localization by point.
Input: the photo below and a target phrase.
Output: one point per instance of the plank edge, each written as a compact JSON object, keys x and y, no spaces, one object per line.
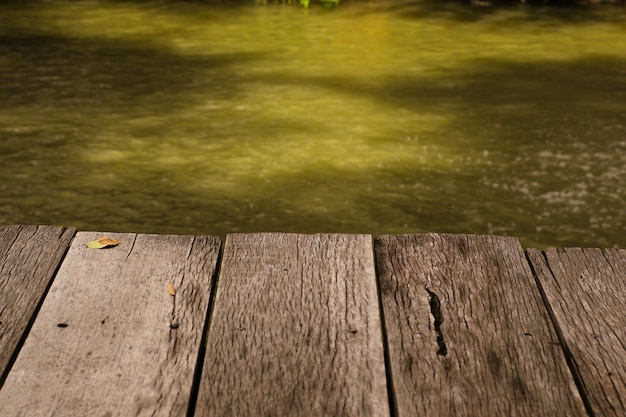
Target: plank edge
{"x":64,"y":233}
{"x":537,"y":258}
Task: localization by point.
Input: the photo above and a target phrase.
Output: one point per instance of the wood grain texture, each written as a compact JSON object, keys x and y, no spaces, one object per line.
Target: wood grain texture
{"x":110,"y":340}
{"x":295,"y":329}
{"x":29,"y":256}
{"x":467,"y":331}
{"x":586,"y":292}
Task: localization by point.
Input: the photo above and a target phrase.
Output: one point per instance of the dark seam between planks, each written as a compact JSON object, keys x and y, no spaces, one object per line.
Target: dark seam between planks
{"x":569,"y":358}
{"x":33,"y":316}
{"x":391,"y":392}
{"x":197,"y":376}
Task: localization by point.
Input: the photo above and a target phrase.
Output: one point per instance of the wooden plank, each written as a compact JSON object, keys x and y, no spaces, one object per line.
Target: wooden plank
{"x":110,"y":340}
{"x":586,"y":293}
{"x":467,"y":331}
{"x":29,"y":256}
{"x":295,"y":329}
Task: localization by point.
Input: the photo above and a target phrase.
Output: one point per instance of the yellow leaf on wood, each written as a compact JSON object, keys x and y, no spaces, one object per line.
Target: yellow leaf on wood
{"x":103,"y":242}
{"x":170,"y":288}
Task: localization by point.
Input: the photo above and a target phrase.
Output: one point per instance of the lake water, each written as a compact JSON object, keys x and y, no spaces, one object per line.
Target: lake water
{"x":381,"y":117}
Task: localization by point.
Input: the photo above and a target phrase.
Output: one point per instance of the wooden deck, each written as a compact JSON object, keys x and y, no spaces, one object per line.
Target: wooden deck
{"x":308,"y":325}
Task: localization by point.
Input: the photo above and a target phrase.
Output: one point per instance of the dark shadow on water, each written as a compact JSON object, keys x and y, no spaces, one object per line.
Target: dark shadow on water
{"x":555,"y":12}
{"x":59,"y":72}
{"x":499,"y":92}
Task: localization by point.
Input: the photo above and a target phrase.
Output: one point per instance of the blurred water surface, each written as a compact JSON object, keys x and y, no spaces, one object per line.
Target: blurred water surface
{"x":382,"y":117}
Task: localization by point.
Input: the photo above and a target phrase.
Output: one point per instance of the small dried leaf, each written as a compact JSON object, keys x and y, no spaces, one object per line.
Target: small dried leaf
{"x":170,"y":288}
{"x":103,"y":242}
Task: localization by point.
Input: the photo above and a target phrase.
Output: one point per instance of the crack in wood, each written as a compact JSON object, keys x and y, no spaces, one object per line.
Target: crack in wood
{"x":435,"y":311}
{"x":132,"y":246}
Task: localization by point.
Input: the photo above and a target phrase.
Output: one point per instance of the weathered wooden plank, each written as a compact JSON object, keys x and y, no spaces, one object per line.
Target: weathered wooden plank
{"x":467,"y":331}
{"x":29,"y":256}
{"x":109,"y":339}
{"x":586,"y":293}
{"x":295,"y":329}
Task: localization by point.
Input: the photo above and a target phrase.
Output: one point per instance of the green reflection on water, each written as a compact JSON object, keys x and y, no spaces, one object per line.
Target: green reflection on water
{"x":397,"y":117}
